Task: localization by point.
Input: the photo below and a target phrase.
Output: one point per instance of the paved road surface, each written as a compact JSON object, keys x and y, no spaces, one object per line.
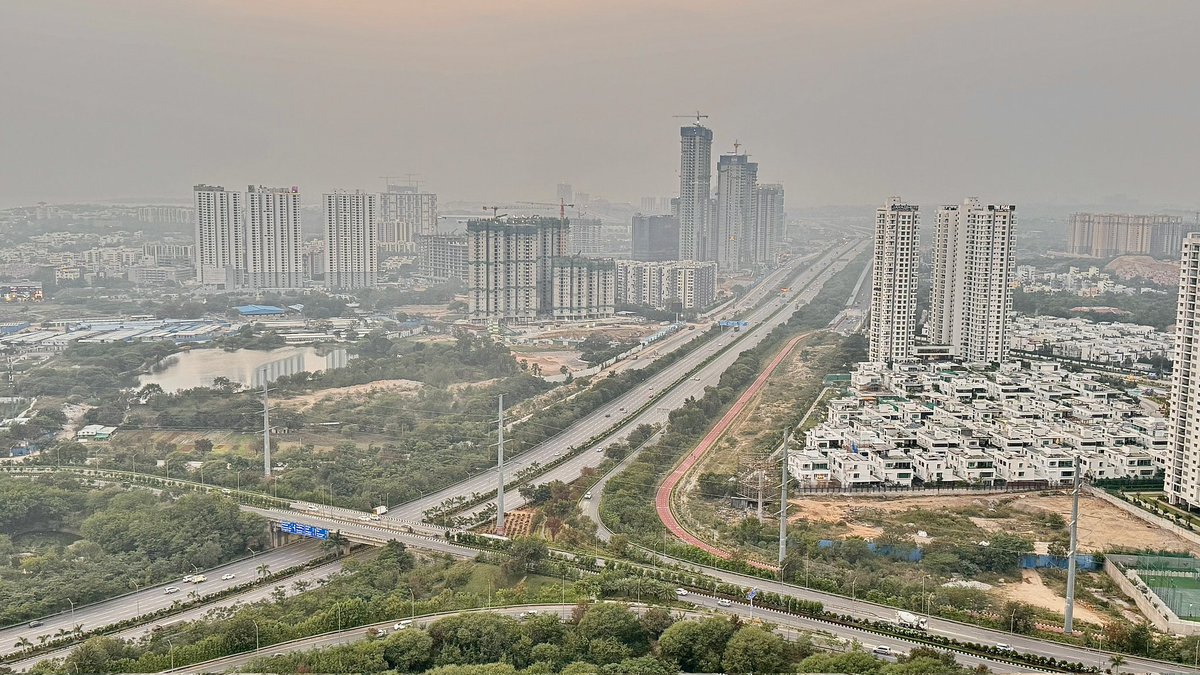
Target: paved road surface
{"x":315,"y":576}
{"x":662,"y":498}
{"x":152,"y":598}
{"x":762,"y":320}
{"x":602,"y":420}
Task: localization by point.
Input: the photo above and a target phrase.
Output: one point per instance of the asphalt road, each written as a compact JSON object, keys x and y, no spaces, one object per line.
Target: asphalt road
{"x":607,"y":416}
{"x":761,"y":320}
{"x":315,"y":576}
{"x":786,"y":625}
{"x":153,"y":597}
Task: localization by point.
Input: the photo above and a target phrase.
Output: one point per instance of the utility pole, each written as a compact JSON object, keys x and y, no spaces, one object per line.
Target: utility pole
{"x":761,"y":470}
{"x":783,"y":494}
{"x":1068,"y":613}
{"x":266,"y":428}
{"x":500,"y":467}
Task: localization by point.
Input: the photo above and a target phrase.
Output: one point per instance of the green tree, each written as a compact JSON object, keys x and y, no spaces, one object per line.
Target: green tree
{"x":408,"y":651}
{"x":697,"y":646}
{"x":754,"y":650}
{"x":656,"y":620}
{"x":856,"y":661}
{"x":1021,"y":617}
{"x":640,"y":665}
{"x":606,"y":620}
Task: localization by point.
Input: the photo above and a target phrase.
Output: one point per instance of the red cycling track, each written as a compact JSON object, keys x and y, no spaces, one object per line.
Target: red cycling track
{"x":662,"y":500}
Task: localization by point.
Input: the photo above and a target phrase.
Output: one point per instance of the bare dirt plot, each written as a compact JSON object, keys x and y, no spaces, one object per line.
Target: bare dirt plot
{"x":1030,"y":589}
{"x":551,"y":361}
{"x":1101,"y":525}
{"x":358,"y":391}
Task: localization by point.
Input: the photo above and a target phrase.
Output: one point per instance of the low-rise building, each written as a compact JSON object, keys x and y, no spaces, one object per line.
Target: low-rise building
{"x":941,"y":422}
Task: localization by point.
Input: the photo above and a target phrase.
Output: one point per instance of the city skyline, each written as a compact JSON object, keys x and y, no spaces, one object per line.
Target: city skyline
{"x":822,"y":134}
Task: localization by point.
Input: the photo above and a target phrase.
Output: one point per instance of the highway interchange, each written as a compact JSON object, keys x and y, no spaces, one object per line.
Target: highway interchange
{"x":403,"y":523}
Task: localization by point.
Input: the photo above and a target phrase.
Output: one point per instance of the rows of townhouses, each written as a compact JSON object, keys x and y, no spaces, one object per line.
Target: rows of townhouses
{"x":931,"y":423}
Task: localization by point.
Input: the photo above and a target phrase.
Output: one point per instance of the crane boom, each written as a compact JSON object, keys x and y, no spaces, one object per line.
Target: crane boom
{"x":698,"y":117}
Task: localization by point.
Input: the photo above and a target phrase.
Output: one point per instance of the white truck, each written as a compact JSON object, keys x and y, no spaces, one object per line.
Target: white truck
{"x":379,"y":510}
{"x":910,"y":620}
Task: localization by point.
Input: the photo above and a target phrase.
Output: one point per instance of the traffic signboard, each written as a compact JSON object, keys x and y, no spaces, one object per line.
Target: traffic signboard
{"x":304,"y":530}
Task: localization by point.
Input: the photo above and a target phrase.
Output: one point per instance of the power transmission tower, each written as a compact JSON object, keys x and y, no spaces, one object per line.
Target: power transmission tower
{"x":783,"y":494}
{"x":500,"y":467}
{"x":1068,"y":613}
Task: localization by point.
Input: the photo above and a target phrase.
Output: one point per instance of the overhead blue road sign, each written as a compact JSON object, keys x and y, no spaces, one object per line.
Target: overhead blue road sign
{"x":304,"y":530}
{"x":734,"y":324}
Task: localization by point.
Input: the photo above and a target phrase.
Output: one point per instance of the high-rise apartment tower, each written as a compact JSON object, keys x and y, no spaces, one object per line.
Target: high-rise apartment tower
{"x":768,"y":223}
{"x":737,"y":177}
{"x":273,"y":239}
{"x":973,"y":265}
{"x":894,"y":282}
{"x":1182,"y":484}
{"x":695,"y":176}
{"x":220,"y":236}
{"x":351,"y":248}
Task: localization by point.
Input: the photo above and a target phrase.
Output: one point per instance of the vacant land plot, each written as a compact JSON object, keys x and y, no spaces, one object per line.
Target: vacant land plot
{"x":1032,"y":590}
{"x":359,"y":392}
{"x":1101,"y":526}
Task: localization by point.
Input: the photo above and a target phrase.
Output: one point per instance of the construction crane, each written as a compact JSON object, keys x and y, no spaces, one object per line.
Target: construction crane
{"x":494,"y":210}
{"x":698,"y":117}
{"x":562,"y":207}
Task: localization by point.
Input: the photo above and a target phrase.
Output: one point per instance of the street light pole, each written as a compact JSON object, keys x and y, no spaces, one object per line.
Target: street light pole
{"x":171,"y":651}
{"x":137,"y":597}
{"x":256,"y":642}
{"x":72,"y":610}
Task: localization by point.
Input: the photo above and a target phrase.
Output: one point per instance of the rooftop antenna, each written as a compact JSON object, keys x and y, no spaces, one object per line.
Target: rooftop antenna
{"x":736,"y":145}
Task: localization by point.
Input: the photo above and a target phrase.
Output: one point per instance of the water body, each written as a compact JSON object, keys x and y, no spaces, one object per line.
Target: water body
{"x":249,"y":367}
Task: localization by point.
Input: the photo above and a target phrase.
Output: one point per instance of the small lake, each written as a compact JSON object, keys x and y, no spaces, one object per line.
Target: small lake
{"x":249,"y":367}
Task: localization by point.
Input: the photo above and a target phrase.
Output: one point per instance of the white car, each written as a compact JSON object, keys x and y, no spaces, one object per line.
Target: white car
{"x":724,"y":602}
{"x":587,"y":495}
{"x":883,"y":650}
{"x":1002,"y":647}
{"x":313,"y":507}
{"x":402,"y":625}
{"x":373,"y":516}
{"x":365,"y":519}
{"x":170,"y":589}
{"x":681,"y":592}
{"x":227,"y":577}
{"x":189,"y":578}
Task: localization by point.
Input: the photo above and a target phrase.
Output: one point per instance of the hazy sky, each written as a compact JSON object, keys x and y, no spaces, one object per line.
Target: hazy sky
{"x":844,"y":101}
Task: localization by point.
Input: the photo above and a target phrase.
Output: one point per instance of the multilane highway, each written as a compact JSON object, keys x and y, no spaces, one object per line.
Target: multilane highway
{"x":610,"y":414}
{"x":762,"y":320}
{"x":314,"y":576}
{"x":152,"y":598}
